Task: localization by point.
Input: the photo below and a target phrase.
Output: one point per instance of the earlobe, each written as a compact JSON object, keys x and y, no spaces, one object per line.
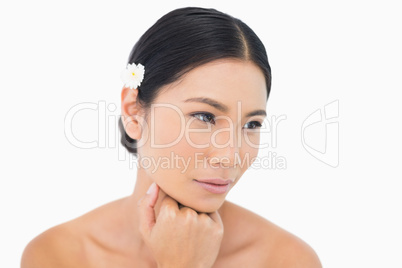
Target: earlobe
{"x":130,"y":112}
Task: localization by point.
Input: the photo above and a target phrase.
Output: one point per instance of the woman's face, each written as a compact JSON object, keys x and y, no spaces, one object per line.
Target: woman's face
{"x":204,"y":126}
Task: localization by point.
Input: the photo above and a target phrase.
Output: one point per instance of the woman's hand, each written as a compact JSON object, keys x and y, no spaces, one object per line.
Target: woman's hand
{"x":179,"y":237}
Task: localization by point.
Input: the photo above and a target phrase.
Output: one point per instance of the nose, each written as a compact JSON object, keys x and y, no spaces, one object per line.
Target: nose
{"x":225,"y":149}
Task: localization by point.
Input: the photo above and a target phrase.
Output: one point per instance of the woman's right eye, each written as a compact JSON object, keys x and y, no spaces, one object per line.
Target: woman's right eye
{"x":205,"y":117}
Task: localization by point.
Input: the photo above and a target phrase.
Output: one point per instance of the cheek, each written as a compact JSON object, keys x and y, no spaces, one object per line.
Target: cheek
{"x":167,"y":147}
{"x":198,"y":138}
{"x":167,"y":127}
{"x":252,"y":139}
{"x":172,"y":148}
{"x":249,"y":151}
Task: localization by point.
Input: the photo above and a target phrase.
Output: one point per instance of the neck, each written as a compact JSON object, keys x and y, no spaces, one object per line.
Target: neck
{"x":135,"y":244}
{"x":141,"y":187}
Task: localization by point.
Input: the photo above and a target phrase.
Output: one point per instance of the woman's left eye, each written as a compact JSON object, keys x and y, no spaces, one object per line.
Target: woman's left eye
{"x":253,"y":125}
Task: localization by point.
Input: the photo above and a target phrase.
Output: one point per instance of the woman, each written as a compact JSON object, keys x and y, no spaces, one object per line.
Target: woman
{"x":192,"y":119}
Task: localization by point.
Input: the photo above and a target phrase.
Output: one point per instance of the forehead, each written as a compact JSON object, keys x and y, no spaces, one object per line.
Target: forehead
{"x":227,"y":81}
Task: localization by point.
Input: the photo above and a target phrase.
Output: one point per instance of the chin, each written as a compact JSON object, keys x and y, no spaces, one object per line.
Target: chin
{"x":198,"y":201}
{"x":203,"y":206}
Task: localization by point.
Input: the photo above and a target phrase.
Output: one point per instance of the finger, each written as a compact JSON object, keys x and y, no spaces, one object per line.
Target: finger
{"x":169,"y":204}
{"x":216,"y":217}
{"x":181,"y":206}
{"x":146,"y":209}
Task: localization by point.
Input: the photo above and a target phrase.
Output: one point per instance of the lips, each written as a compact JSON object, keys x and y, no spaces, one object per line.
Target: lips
{"x":216,"y":186}
{"x":216,"y":181}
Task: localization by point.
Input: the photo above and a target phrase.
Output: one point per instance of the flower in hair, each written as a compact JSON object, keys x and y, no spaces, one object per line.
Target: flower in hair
{"x":133,"y":75}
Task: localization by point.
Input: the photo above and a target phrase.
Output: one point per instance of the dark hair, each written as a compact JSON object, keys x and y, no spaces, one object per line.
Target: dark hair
{"x":184,"y":39}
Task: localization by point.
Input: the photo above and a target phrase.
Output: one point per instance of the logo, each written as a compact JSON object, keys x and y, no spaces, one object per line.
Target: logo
{"x":320,"y":134}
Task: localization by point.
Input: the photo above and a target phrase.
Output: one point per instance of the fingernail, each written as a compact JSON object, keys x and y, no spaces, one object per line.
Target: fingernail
{"x":151,"y":188}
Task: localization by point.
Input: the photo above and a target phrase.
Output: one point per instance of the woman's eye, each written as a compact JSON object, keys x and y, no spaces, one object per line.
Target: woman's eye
{"x":205,"y":117}
{"x":253,"y":125}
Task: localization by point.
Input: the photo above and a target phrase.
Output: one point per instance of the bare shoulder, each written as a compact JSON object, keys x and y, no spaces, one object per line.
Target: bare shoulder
{"x":269,"y":244}
{"x":58,"y":246}
{"x":290,"y":251}
{"x":75,"y":242}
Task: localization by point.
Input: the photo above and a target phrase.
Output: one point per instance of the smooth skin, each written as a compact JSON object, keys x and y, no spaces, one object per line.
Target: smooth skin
{"x":178,"y":223}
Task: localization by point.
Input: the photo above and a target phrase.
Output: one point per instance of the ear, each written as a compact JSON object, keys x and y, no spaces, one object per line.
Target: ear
{"x":131,"y":113}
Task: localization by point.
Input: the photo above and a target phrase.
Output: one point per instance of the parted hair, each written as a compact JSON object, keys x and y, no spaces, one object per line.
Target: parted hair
{"x":184,"y":39}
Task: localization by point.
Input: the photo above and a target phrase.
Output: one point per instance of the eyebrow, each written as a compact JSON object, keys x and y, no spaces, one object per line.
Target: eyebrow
{"x":221,"y":107}
{"x":256,"y":112}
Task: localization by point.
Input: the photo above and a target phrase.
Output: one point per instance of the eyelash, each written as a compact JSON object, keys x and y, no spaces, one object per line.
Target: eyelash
{"x":210,"y":117}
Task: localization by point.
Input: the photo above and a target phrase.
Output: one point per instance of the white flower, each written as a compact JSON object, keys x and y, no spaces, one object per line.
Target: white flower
{"x":133,"y":75}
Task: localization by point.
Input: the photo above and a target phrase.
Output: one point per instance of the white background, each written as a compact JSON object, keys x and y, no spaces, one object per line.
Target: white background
{"x":55,"y":55}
